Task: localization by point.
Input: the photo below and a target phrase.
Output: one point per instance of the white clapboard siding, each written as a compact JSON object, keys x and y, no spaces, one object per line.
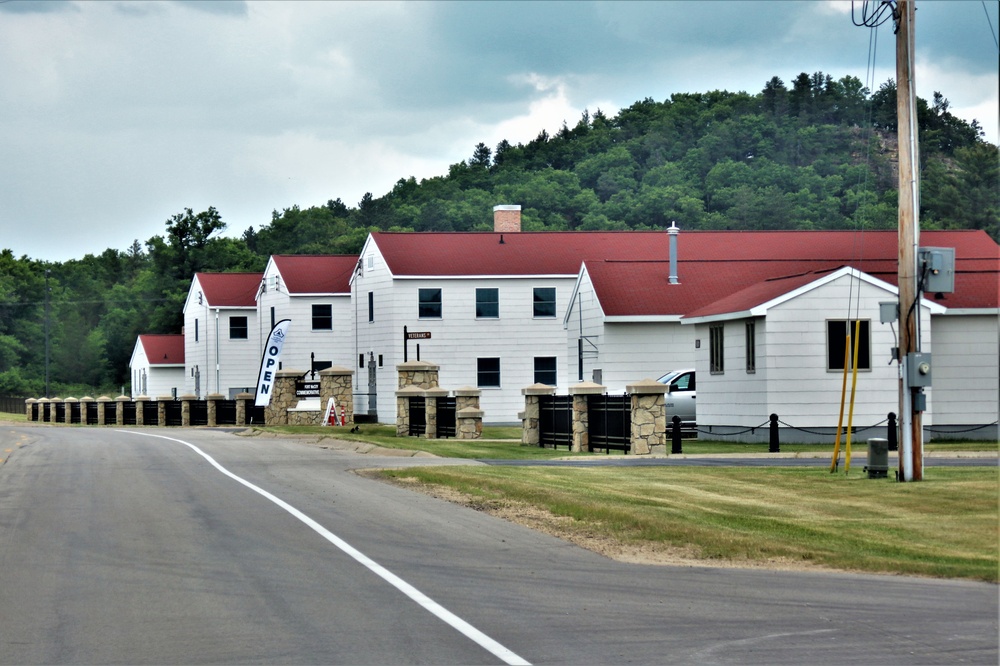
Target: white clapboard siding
{"x":965,"y":369}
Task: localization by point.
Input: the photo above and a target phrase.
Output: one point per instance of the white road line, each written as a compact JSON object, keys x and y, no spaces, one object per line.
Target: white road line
{"x":442,"y":613}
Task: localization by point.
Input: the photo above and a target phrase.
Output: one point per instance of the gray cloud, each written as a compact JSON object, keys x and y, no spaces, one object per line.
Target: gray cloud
{"x":119,"y":114}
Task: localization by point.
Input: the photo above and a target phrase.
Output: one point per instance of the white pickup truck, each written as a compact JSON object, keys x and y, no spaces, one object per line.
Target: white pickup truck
{"x":681,"y":395}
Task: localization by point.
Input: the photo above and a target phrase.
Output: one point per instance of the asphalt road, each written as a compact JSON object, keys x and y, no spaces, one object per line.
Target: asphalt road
{"x":211,"y":548}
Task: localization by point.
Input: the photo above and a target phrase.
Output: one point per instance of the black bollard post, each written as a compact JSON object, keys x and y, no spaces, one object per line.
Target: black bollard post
{"x":891,"y":434}
{"x":773,"y":446}
{"x":675,"y":435}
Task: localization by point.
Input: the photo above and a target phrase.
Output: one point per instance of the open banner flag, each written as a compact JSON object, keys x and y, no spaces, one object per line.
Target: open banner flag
{"x":269,"y":362}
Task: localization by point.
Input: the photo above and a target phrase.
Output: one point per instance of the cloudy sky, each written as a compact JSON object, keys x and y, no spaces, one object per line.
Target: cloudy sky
{"x":118,"y":114}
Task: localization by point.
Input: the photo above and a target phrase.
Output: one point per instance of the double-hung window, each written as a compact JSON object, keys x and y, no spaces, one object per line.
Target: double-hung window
{"x":544,"y":302}
{"x":545,"y":370}
{"x":488,"y":372}
{"x":322,"y":317}
{"x":487,"y":303}
{"x":429,"y":304}
{"x":238,"y":328}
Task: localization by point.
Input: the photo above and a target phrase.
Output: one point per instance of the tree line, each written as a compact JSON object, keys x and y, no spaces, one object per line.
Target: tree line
{"x":818,"y":154}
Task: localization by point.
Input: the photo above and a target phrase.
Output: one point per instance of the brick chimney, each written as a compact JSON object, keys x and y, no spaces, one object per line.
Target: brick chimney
{"x":506,"y":219}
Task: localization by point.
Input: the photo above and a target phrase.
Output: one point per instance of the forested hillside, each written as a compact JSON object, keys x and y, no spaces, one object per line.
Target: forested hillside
{"x":818,"y":154}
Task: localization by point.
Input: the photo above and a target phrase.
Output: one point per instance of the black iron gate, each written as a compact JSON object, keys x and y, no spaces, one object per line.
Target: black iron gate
{"x":225,"y":412}
{"x":111,"y":413}
{"x":129,"y":413}
{"x":446,"y":417}
{"x":555,"y":421}
{"x":150,"y":413}
{"x":173,"y":413}
{"x":610,"y":422}
{"x":199,"y":412}
{"x":90,"y":418}
{"x":418,"y":417}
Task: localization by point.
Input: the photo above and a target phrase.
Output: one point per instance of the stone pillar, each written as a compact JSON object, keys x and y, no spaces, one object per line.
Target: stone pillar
{"x":161,"y":409}
{"x":468,"y":415}
{"x":120,"y":412}
{"x":581,"y":413}
{"x":27,"y":408}
{"x":213,"y":408}
{"x":102,"y":410}
{"x":44,"y":409}
{"x":403,"y":408}
{"x":140,"y":409}
{"x":418,"y":373}
{"x":337,"y":382}
{"x":244,"y":401}
{"x":649,"y":415}
{"x":282,"y":397}
{"x":530,"y":415}
{"x":186,"y":409}
{"x":85,"y":403}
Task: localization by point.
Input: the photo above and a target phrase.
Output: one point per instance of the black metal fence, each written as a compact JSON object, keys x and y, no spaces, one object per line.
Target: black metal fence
{"x":446,"y":417}
{"x":418,"y":417}
{"x":555,"y":421}
{"x":610,"y":422}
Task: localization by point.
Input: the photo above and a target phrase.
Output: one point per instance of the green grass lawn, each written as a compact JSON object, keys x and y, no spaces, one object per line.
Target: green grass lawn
{"x":944,"y":526}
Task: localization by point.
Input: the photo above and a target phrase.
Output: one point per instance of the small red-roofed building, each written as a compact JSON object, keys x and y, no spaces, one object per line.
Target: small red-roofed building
{"x":761,"y":317}
{"x":222,"y":334}
{"x":157,"y":365}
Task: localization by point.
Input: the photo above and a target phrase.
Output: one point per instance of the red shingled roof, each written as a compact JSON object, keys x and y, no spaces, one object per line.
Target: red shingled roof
{"x":230,"y":289}
{"x":163,"y":349}
{"x":562,"y":252}
{"x":316,"y":273}
{"x":630,"y":268}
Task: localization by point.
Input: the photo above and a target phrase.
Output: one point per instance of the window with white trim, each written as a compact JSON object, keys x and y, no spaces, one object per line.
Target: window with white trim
{"x":544,"y":302}
{"x":840,"y":349}
{"x":488,"y":372}
{"x":322,"y":317}
{"x":751,"y":346}
{"x":429,"y":304}
{"x":716,"y":349}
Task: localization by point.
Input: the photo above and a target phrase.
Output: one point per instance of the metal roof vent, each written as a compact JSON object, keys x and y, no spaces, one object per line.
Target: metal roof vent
{"x":672,"y":234}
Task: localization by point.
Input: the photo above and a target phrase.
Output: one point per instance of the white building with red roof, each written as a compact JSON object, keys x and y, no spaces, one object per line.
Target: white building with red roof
{"x":157,"y":365}
{"x":222,"y":334}
{"x":761,"y":315}
{"x":486,"y":307}
{"x":314,"y":292}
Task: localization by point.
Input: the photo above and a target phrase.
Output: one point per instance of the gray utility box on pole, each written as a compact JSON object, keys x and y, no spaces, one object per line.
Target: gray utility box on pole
{"x":938,"y":266}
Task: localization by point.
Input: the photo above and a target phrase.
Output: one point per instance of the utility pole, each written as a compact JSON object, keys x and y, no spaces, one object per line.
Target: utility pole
{"x":47,"y":273}
{"x":910,"y":399}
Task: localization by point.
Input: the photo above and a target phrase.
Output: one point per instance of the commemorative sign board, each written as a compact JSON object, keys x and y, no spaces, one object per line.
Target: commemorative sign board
{"x":305,"y":388}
